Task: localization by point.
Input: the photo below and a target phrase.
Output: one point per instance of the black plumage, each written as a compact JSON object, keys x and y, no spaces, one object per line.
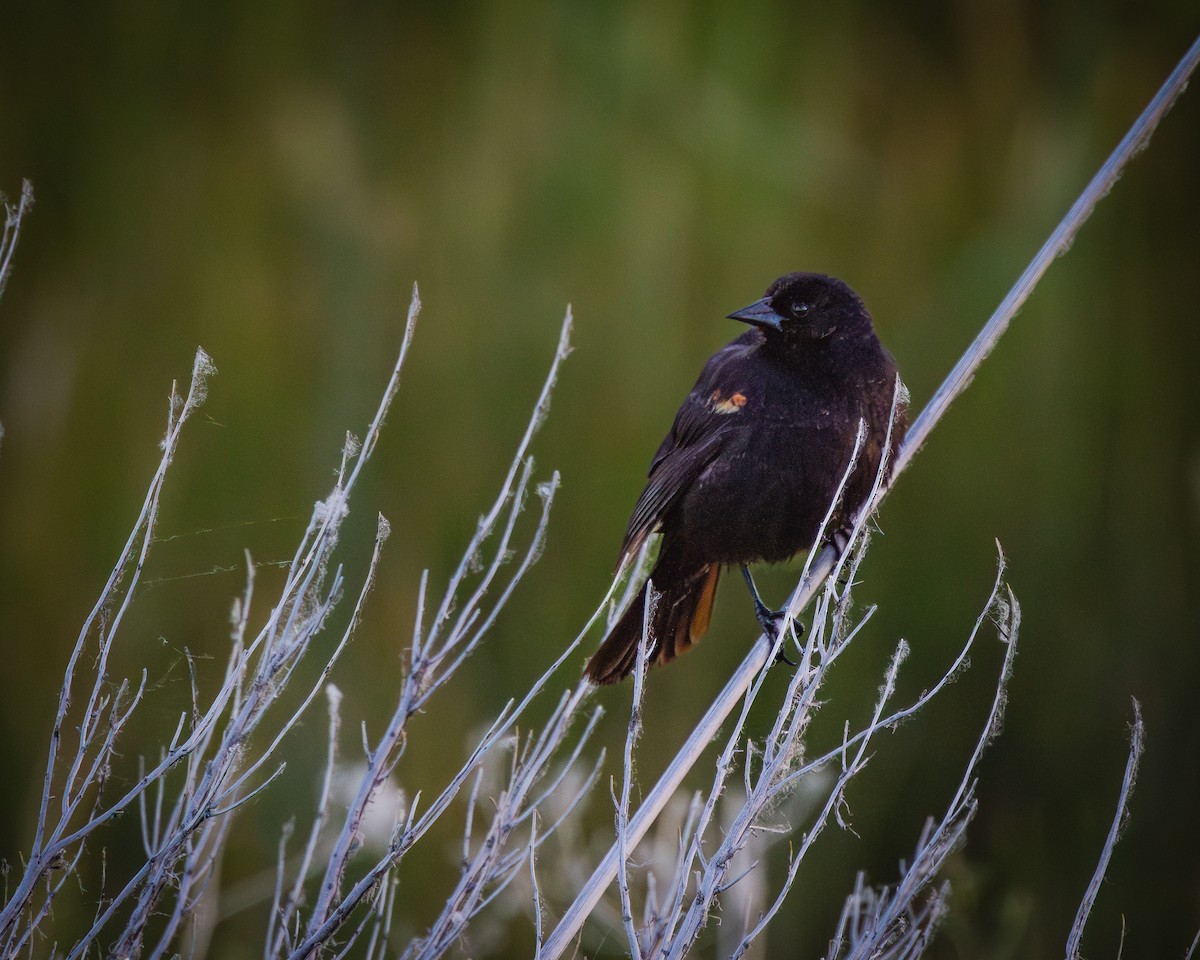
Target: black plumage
{"x":755,"y":456}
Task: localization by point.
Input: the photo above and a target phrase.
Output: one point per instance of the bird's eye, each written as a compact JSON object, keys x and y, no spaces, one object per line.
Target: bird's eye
{"x":800,"y":310}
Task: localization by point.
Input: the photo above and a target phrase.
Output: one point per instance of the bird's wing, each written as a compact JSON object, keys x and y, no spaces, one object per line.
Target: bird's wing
{"x":697,"y":436}
{"x":674,"y":471}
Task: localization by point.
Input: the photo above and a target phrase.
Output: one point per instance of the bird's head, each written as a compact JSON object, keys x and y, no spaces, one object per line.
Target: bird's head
{"x":800,"y":307}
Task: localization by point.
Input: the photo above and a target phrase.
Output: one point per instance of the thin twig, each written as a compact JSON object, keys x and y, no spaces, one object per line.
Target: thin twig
{"x":631,"y":737}
{"x":1137,"y":733}
{"x":13,"y":215}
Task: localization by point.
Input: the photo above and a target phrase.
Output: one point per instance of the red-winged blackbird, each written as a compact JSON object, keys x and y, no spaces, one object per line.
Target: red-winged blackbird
{"x":755,"y":457}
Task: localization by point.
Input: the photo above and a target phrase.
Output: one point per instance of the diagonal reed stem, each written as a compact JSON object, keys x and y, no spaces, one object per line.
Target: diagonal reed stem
{"x":955,"y":383}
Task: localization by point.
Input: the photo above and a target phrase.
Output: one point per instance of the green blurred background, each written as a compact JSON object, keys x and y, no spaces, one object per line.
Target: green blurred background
{"x":268,"y":180}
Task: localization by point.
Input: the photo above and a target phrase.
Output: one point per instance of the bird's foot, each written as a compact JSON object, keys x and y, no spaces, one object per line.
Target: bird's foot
{"x":771,"y":621}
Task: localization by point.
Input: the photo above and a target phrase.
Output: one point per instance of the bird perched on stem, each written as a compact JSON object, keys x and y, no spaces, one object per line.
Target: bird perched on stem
{"x":754,"y":459}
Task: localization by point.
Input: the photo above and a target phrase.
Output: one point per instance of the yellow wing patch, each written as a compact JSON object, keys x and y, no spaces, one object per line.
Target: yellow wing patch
{"x":730,"y":404}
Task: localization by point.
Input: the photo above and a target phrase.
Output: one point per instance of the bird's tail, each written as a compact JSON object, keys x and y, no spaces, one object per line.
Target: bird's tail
{"x":678,"y":620}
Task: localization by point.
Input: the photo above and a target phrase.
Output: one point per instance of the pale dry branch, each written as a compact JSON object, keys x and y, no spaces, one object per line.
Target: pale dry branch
{"x":204,"y":773}
{"x":76,"y":776}
{"x":1137,"y":735}
{"x":14,"y":214}
{"x":497,"y":861}
{"x":895,"y":923}
{"x":436,"y":652}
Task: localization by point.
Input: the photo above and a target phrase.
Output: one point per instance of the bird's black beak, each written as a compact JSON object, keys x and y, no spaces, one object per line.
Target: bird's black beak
{"x":758,"y":314}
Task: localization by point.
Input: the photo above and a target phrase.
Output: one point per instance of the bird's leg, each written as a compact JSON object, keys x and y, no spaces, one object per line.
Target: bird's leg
{"x":768,"y":619}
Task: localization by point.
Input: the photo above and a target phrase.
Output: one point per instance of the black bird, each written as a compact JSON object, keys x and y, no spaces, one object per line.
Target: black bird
{"x":755,"y":457}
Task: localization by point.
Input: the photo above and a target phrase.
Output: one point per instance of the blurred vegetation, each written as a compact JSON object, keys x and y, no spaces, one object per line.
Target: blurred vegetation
{"x":267,"y":180}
